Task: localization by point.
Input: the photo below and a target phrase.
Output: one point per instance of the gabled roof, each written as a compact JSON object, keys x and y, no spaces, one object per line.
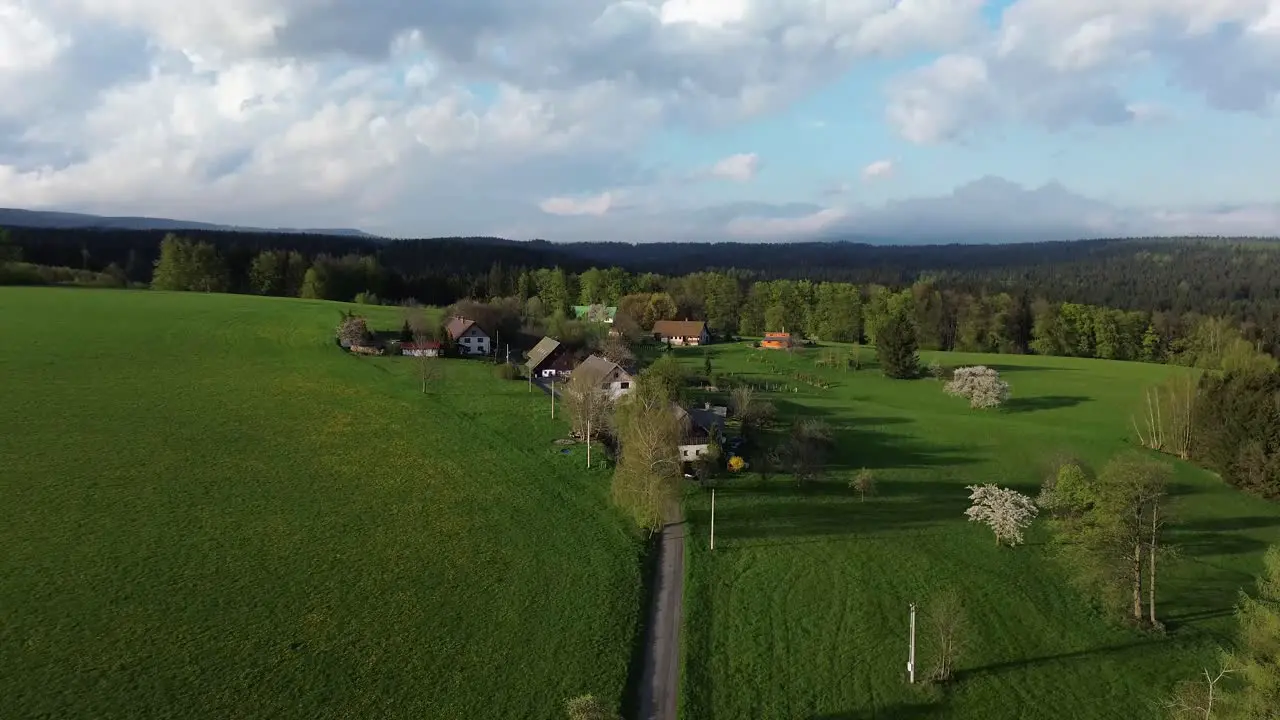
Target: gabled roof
{"x":595,"y":369}
{"x":545,"y":348}
{"x":458,"y":326}
{"x":429,"y":345}
{"x":679,"y":328}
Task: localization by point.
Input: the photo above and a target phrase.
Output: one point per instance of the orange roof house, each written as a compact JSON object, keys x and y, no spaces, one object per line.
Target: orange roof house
{"x":776,"y":341}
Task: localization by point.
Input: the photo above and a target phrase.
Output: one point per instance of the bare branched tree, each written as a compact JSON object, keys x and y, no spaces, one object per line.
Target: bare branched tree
{"x":588,"y":406}
{"x":1196,"y":699}
{"x":864,"y":483}
{"x":423,"y":332}
{"x":945,"y":617}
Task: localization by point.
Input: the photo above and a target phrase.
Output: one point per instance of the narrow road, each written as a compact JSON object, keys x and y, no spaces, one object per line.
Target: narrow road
{"x":659,"y":694}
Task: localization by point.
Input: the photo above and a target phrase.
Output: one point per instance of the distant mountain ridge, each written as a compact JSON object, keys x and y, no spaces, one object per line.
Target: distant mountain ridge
{"x":14,"y":217}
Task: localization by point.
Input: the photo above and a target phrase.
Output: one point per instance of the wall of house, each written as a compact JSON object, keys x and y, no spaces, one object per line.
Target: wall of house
{"x":689,"y":453}
{"x":474,"y":342}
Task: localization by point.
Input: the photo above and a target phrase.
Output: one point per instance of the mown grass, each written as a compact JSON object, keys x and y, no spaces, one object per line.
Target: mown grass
{"x":209,"y":510}
{"x":801,"y":610}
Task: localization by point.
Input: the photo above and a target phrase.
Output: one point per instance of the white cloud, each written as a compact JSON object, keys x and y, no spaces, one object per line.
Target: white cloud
{"x":596,"y":205}
{"x":779,"y":228}
{"x":460,"y":116}
{"x":742,"y":167}
{"x":27,"y":42}
{"x":877,"y":169}
{"x":1061,"y":63}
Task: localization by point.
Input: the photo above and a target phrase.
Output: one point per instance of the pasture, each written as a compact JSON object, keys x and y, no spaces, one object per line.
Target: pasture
{"x":801,"y":609}
{"x":211,"y":511}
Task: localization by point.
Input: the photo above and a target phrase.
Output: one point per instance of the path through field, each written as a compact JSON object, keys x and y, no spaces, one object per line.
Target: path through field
{"x":660,"y":692}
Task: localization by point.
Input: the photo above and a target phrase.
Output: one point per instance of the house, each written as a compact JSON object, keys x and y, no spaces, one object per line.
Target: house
{"x":549,"y":359}
{"x":681,"y":332}
{"x":698,"y":427}
{"x":776,"y":341}
{"x":470,"y":338}
{"x":609,"y":376}
{"x":595,"y":313}
{"x":429,"y":348}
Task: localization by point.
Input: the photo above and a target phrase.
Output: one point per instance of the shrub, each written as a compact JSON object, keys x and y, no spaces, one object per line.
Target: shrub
{"x":506,"y":371}
{"x":980,"y":384}
{"x":936,"y":371}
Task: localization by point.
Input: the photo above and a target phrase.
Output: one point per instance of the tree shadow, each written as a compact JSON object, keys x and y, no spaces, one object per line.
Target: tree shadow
{"x":788,"y":513}
{"x":1043,"y":402}
{"x":905,"y":711}
{"x":1014,"y":368}
{"x":1092,"y":654}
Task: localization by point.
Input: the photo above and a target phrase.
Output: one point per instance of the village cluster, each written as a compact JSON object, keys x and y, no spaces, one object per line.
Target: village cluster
{"x":551,"y":364}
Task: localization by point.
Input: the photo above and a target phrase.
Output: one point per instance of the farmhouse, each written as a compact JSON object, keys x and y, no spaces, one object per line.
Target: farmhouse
{"x":595,"y":313}
{"x":429,"y":348}
{"x":471,"y":339}
{"x":776,"y":341}
{"x":549,"y":359}
{"x":698,"y":427}
{"x":606,"y":374}
{"x":681,"y":332}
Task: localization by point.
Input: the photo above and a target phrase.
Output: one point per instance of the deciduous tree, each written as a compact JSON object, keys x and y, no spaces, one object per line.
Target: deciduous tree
{"x":980,"y":385}
{"x":1007,"y":512}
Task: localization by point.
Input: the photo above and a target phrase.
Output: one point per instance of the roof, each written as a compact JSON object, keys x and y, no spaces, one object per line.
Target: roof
{"x":428,"y":345}
{"x":778,"y":335}
{"x":680,"y":328}
{"x":609,"y":312}
{"x":543,"y":350}
{"x":457,"y":326}
{"x":595,"y":369}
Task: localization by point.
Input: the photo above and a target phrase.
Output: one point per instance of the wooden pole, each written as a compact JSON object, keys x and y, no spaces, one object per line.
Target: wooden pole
{"x":553,"y":399}
{"x":588,"y":441}
{"x":713,"y":518}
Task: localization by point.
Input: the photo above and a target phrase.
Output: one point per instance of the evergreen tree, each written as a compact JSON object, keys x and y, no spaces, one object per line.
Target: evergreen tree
{"x":896,"y":345}
{"x":1255,"y":690}
{"x":9,"y":251}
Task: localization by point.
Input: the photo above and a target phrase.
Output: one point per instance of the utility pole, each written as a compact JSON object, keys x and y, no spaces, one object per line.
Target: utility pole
{"x":911,"y":658}
{"x":713,"y":518}
{"x":588,"y":441}
{"x":553,"y":399}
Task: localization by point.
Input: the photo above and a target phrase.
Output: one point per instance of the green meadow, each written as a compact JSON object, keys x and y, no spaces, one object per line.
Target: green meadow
{"x":801,"y":610}
{"x":209,"y":510}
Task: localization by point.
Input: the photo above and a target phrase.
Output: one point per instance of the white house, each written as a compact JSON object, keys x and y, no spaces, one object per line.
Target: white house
{"x":681,"y":332}
{"x":470,"y":338}
{"x":610,"y":376}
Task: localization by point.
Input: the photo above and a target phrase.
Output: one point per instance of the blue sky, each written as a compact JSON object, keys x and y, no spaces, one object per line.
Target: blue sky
{"x":908,"y":120}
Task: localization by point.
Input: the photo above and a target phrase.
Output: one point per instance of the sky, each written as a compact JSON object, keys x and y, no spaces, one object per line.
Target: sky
{"x":644,"y":120}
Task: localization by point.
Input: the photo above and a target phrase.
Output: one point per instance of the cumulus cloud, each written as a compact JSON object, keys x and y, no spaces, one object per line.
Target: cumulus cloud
{"x":473,"y":116}
{"x":597,"y":205}
{"x":877,"y":169}
{"x":1060,"y":63}
{"x":738,"y":168}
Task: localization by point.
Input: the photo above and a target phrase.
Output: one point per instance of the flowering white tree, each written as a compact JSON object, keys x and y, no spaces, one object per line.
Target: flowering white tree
{"x":980,"y":384}
{"x":1007,"y":512}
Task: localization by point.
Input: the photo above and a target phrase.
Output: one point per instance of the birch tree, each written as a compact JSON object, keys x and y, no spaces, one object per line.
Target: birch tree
{"x":1007,"y":512}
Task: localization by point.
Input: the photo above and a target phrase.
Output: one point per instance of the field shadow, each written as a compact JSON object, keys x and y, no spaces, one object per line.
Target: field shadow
{"x":1093,"y":654}
{"x":789,"y":513}
{"x":1043,"y":402}
{"x":1015,"y":368}
{"x":908,"y":711}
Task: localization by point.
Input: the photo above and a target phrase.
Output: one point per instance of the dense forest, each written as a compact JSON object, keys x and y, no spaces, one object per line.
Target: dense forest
{"x":1234,"y":279}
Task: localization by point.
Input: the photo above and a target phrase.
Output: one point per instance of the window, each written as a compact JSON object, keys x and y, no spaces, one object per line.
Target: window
{"x":624,"y":385}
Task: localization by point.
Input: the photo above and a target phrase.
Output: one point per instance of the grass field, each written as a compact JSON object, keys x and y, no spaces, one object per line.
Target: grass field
{"x":209,"y":510}
{"x":801,"y":610}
